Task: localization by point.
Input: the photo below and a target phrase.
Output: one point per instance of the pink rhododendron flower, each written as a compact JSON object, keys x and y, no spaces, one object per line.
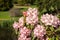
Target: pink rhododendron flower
{"x":25,"y":13}
{"x":32,"y":12}
{"x":42,"y":38}
{"x":25,"y":31}
{"x":22,"y":37}
{"x":19,"y":24}
{"x":21,"y":21}
{"x":50,"y":20}
{"x":39,"y":31}
{"x":32,"y":17}
{"x":59,"y":23}
{"x":31,"y":20}
{"x":29,"y":8}
{"x":47,"y":38}
{"x":15,"y":25}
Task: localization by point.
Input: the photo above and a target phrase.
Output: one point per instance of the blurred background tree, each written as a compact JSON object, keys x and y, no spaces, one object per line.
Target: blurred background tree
{"x":6,"y":4}
{"x":48,"y":5}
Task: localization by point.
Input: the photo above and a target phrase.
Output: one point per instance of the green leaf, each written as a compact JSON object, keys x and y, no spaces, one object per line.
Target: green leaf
{"x":51,"y":28}
{"x":49,"y":39}
{"x":32,"y":35}
{"x":57,"y":38}
{"x":46,"y":28}
{"x":57,"y":29}
{"x":52,"y":38}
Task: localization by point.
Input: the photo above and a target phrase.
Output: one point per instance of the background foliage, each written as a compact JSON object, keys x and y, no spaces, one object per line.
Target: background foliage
{"x":48,"y":5}
{"x":5,"y":4}
{"x":6,"y":30}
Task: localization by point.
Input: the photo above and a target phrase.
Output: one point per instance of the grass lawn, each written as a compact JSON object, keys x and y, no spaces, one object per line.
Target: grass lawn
{"x":4,"y":15}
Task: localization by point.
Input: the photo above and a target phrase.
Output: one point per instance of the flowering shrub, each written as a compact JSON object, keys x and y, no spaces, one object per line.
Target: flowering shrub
{"x":25,"y":31}
{"x":32,"y":16}
{"x":29,"y":27}
{"x":50,"y":20}
{"x":39,"y":31}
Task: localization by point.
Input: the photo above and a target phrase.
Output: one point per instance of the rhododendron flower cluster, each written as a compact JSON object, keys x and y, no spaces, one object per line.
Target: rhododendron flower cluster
{"x":49,"y":19}
{"x":15,"y":25}
{"x":23,"y":37}
{"x":39,"y":31}
{"x":24,"y":32}
{"x":19,"y":24}
{"x":21,"y":21}
{"x":32,"y":16}
{"x":25,"y":25}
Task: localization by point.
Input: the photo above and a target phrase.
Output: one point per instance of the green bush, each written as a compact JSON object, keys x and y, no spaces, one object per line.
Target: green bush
{"x":6,"y":30}
{"x":48,"y":5}
{"x":5,"y":5}
{"x":58,"y":4}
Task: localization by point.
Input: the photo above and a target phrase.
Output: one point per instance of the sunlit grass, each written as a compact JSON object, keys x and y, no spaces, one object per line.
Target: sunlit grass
{"x":4,"y":15}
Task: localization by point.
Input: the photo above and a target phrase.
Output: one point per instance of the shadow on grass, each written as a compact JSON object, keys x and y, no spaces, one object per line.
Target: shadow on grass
{"x":7,"y":31}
